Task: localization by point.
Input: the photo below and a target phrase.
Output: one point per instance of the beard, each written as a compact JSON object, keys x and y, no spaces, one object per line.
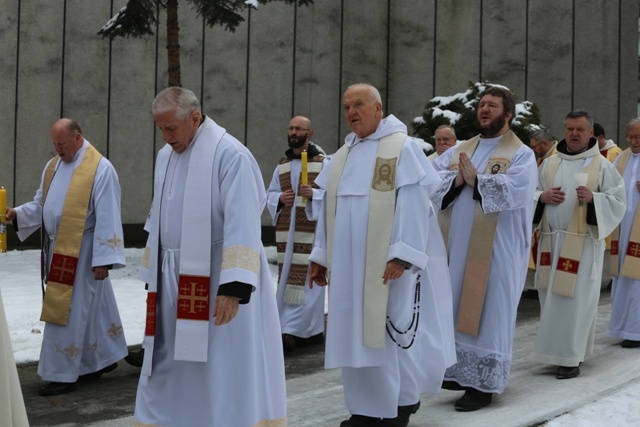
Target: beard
{"x":295,"y":141}
{"x":494,"y":127}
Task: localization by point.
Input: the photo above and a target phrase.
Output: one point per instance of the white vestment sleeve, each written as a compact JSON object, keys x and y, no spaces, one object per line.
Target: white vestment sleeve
{"x":273,"y":196}
{"x":610,"y":201}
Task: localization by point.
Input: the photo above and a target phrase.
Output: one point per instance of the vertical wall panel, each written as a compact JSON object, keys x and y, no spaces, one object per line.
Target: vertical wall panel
{"x":131,"y":128}
{"x":549,"y":62}
{"x":596,"y":81}
{"x":457,"y":45}
{"x":87,"y":103}
{"x":270,"y":81}
{"x":8,"y":67}
{"x":39,"y":90}
{"x":317,"y":93}
{"x":411,"y":59}
{"x":628,"y":69}
{"x":504,"y":44}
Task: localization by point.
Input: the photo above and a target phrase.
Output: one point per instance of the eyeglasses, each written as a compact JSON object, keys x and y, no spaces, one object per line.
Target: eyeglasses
{"x":634,"y":138}
{"x":296,"y":128}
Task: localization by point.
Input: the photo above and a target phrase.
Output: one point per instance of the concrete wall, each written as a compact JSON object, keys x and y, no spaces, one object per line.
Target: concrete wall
{"x":283,"y":60}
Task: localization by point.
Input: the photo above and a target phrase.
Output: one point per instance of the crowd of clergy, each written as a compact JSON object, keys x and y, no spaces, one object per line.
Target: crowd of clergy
{"x":426,"y":259}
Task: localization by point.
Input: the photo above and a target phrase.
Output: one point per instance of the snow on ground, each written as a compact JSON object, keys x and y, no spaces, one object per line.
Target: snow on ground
{"x":20,"y":287}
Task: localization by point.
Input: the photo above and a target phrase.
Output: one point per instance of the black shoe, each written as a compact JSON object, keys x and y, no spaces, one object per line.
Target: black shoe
{"x":473,"y":400}
{"x":316,"y":339}
{"x":630,"y":344}
{"x":566,"y":372}
{"x":56,"y":388}
{"x":452,"y":385}
{"x":288,"y":343}
{"x":361,"y":421}
{"x":402,"y":420}
{"x":97,"y":374}
{"x":135,"y":359}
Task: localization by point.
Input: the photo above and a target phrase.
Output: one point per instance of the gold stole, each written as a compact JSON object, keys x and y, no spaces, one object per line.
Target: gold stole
{"x":64,"y":261}
{"x":382,"y":198}
{"x":566,"y":274}
{"x":631,"y":263}
{"x":483,"y":231}
{"x":303,"y":233}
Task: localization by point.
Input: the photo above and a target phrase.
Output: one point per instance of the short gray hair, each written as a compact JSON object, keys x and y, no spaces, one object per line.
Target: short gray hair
{"x":633,"y":122}
{"x":182,"y":100}
{"x":542,"y":134}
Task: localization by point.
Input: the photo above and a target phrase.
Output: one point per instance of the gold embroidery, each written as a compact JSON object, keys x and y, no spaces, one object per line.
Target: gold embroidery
{"x":70,"y":352}
{"x":146,"y":256}
{"x":114,"y":243}
{"x":240,"y":257}
{"x":93,"y":347}
{"x":114,"y":331}
{"x":384,"y":174}
{"x":139,"y":424}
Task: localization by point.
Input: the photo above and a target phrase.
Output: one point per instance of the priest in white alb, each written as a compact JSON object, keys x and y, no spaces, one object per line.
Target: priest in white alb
{"x":486,"y":202}
{"x":213,"y":355}
{"x":389,"y":324}
{"x":625,"y":248}
{"x":581,"y":199}
{"x":77,"y":208}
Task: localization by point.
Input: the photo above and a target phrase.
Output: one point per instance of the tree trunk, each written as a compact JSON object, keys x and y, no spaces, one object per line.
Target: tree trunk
{"x":173,"y":44}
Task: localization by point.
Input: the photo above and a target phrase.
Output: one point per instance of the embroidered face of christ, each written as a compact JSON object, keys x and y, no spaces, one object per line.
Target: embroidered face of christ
{"x":176,"y":131}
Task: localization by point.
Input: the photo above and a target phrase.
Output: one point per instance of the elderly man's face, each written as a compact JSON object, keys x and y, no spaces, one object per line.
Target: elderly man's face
{"x":577,"y":133}
{"x":633,"y":138}
{"x":362,"y":112}
{"x":66,"y":142}
{"x":444,"y":140}
{"x":177,"y":131}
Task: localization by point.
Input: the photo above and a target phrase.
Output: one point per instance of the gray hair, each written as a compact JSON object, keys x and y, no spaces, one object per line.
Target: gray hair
{"x":182,"y":100}
{"x":453,"y":131}
{"x":576,"y":114}
{"x":633,"y":122}
{"x":542,"y":134}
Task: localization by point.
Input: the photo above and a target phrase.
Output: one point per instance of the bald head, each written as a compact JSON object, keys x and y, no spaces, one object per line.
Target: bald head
{"x":67,"y":139}
{"x":362,"y":108}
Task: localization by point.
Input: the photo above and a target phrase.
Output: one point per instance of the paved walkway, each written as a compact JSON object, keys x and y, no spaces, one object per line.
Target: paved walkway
{"x":532,"y":397}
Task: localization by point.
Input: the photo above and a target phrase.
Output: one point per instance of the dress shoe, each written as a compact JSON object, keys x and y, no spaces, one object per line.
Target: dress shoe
{"x":288,"y":343}
{"x":135,"y":359}
{"x":630,"y":344}
{"x":56,"y":388}
{"x":316,"y":339}
{"x":402,"y":420}
{"x":566,"y":372}
{"x":97,"y":374}
{"x":452,"y":385}
{"x":473,"y":400}
{"x":361,"y":421}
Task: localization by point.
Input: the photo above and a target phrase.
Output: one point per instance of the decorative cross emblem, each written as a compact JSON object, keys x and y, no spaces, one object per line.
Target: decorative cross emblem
{"x":634,"y":249}
{"x":566,"y":265}
{"x":191,"y":297}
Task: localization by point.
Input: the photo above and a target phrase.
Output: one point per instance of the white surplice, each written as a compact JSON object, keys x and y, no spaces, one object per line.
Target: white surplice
{"x":301,"y":320}
{"x":567,"y":325}
{"x":242,"y":383}
{"x":377,"y":381}
{"x":12,"y":410}
{"x":625,"y":291}
{"x":93,"y":337}
{"x":484,"y":361}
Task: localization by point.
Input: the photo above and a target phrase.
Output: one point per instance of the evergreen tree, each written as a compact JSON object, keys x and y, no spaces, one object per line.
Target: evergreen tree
{"x":459,"y":111}
{"x":138,"y":18}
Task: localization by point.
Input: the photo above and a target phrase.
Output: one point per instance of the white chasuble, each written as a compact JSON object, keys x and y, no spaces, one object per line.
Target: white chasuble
{"x":242,"y":382}
{"x":484,"y":361}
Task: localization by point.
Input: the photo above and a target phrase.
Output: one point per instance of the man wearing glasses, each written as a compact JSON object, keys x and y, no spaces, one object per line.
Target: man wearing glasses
{"x":300,"y":307}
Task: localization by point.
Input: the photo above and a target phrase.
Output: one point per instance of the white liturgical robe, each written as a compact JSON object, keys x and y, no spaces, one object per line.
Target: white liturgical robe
{"x":568,"y":324}
{"x":93,"y":337}
{"x":484,"y":361}
{"x":242,"y":382}
{"x":377,"y":381}
{"x":625,"y":292}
